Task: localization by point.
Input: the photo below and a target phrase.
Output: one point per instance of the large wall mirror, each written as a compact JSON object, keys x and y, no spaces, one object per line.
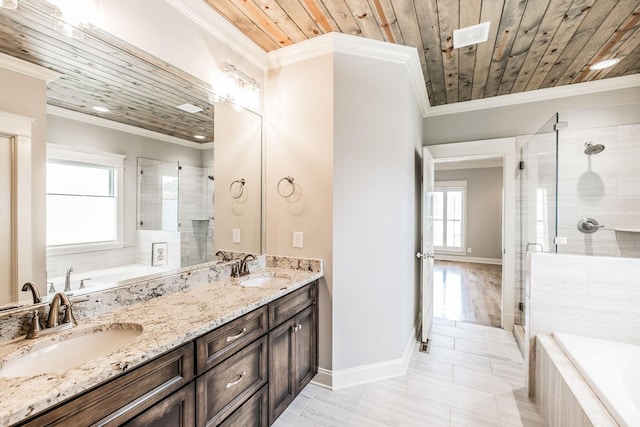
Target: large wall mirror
{"x":144,"y":188}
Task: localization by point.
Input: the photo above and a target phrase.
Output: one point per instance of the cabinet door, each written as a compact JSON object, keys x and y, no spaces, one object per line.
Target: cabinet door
{"x":253,"y":413}
{"x":281,"y":369}
{"x":177,"y":410}
{"x":306,"y":348}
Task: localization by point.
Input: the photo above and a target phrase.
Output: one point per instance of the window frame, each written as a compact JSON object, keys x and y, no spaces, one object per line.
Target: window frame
{"x":453,"y":185}
{"x":79,"y":155}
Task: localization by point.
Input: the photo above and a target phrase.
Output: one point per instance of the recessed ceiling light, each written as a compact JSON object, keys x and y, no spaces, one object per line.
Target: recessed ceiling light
{"x":199,"y":136}
{"x":189,"y":108}
{"x":604,"y":64}
{"x":101,"y":109}
{"x":471,"y":35}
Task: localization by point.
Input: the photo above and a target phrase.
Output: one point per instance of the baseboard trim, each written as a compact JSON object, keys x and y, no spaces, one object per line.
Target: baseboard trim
{"x":349,"y":377}
{"x":462,"y":258}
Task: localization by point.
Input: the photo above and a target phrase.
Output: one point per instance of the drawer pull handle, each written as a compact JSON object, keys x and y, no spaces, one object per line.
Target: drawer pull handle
{"x":236,"y":336}
{"x":232,"y":383}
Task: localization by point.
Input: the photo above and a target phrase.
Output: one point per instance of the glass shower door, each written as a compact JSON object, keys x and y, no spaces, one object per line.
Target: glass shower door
{"x":538,"y":194}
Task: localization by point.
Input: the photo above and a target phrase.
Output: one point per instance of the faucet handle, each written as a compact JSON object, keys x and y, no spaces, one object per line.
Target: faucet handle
{"x":34,"y":328}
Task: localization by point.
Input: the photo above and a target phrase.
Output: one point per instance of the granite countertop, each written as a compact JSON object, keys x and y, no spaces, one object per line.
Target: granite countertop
{"x":168,"y":321}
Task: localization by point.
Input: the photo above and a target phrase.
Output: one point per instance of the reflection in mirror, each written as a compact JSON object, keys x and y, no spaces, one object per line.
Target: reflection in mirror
{"x":94,"y":231}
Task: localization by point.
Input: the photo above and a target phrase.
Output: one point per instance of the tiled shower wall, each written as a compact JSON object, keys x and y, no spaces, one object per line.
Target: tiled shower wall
{"x":604,"y":186}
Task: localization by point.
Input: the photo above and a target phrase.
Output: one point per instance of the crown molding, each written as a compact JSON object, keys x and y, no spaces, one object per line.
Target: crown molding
{"x":334,"y":42}
{"x":99,"y":121}
{"x":27,"y":68}
{"x":576,"y":89}
{"x":215,"y":24}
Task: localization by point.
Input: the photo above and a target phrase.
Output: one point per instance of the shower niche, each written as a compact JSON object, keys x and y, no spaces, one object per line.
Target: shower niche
{"x":174,"y":211}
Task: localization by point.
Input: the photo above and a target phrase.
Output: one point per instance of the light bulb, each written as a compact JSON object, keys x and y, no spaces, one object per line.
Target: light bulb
{"x":9,"y":4}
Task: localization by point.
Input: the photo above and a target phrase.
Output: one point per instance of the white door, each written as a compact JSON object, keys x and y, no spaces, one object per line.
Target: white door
{"x":6,"y":221}
{"x":427,"y":253}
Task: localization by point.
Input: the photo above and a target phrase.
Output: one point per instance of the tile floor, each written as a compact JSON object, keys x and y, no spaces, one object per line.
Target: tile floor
{"x":473,"y":376}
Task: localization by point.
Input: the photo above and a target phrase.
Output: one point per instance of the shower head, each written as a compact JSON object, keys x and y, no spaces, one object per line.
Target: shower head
{"x":590,"y":148}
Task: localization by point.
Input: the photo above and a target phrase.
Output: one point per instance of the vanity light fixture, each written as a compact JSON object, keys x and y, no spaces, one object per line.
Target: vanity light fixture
{"x":101,"y":109}
{"x":73,"y":16}
{"x":239,"y":88}
{"x":9,"y":4}
{"x":601,"y":65}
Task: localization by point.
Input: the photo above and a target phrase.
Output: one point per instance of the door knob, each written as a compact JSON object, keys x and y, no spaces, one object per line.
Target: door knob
{"x":424,"y":255}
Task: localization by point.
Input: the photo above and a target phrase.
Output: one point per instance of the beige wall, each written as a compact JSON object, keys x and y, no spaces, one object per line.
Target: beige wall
{"x":238,"y":149}
{"x":299,"y":143}
{"x":484,"y":209}
{"x":27,"y":96}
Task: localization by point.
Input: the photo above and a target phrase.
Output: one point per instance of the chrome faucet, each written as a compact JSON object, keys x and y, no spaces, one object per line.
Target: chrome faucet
{"x":225,"y":257}
{"x":243,"y":270}
{"x":53,"y":321}
{"x":67,"y":279}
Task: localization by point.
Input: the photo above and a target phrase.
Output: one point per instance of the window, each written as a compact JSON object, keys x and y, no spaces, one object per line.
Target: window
{"x":84,"y":206}
{"x":450,"y":215}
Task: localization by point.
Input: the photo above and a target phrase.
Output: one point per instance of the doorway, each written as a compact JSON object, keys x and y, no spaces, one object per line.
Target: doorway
{"x":480,"y":287}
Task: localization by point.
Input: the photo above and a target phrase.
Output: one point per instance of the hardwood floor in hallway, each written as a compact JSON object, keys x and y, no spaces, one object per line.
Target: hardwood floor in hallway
{"x":467,"y":292}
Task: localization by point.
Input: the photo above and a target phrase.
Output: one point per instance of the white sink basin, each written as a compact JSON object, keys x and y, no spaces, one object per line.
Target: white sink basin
{"x":265,"y":279}
{"x":79,"y":347}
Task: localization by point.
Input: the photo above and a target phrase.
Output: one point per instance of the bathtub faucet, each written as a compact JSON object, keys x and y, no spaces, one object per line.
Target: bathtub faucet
{"x":67,"y":279}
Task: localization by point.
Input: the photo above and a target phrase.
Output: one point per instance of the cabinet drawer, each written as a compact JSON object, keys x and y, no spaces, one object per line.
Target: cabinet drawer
{"x":127,"y":395}
{"x":289,"y":305}
{"x":177,"y":410}
{"x":219,"y":344}
{"x":253,"y":413}
{"x":228,"y":385}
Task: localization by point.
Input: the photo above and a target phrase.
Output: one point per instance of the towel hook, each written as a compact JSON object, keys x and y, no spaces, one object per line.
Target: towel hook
{"x":289,"y":193}
{"x":237,"y":188}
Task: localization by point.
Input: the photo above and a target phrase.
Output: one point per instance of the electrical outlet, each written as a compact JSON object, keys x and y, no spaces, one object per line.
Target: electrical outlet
{"x":236,"y":235}
{"x":297,"y":239}
{"x":468,"y":250}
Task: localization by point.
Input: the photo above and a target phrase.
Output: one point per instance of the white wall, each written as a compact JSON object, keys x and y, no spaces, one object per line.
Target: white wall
{"x":521,"y":119}
{"x":377,"y":139}
{"x":484,"y":209}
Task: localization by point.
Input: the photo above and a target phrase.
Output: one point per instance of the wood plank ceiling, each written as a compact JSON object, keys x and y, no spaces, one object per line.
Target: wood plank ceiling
{"x":533,"y":44}
{"x":101,"y":70}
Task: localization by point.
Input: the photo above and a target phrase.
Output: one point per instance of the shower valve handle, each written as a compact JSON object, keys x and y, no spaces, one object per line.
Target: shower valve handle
{"x":589,"y":225}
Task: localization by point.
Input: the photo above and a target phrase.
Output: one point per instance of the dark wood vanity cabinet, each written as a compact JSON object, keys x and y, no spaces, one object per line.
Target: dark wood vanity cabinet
{"x":244,"y":373}
{"x":293,"y":347}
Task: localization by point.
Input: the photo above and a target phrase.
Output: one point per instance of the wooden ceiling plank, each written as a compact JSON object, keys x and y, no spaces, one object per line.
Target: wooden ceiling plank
{"x":614,"y":18}
{"x":628,"y":66}
{"x":492,"y":12}
{"x":429,"y":30}
{"x":552,"y":18}
{"x":118,"y":80}
{"x":569,"y":25}
{"x":301,"y":17}
{"x":342,"y":16}
{"x":294,"y":29}
{"x":531,"y":21}
{"x":614,"y":47}
{"x":511,"y":17}
{"x":258,"y":17}
{"x":386,"y":16}
{"x":50,"y":56}
{"x":594,"y":18}
{"x":449,"y":20}
{"x":87,"y":54}
{"x":238,"y":18}
{"x":365,"y":19}
{"x":469,"y":15}
{"x":320,"y":15}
